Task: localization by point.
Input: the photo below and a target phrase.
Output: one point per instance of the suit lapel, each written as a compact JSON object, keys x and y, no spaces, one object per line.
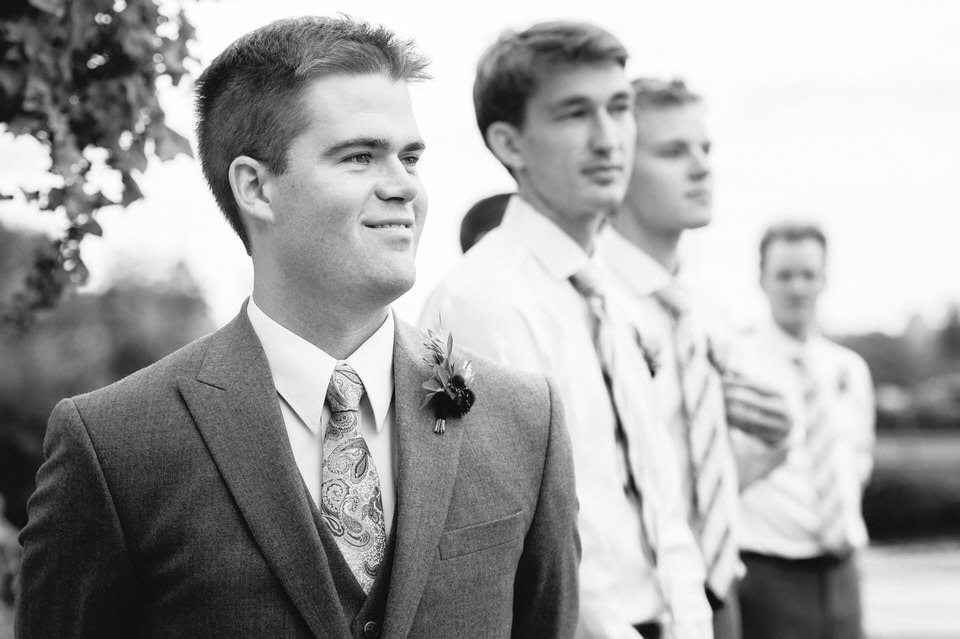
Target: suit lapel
{"x":235,"y":406}
{"x":426,"y":475}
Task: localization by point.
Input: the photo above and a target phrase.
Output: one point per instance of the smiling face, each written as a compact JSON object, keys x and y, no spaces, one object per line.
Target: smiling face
{"x":348,"y":210}
{"x":792,"y":276}
{"x":672,"y":187}
{"x":573,"y":153}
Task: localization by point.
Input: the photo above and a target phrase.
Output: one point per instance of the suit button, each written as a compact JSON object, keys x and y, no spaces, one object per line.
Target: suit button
{"x":371,"y":629}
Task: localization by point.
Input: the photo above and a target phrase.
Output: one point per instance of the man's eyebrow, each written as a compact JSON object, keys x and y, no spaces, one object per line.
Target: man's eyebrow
{"x":571,"y":101}
{"x":356,"y":143}
{"x":368,"y":143}
{"x":417,"y":145}
{"x":583,"y":100}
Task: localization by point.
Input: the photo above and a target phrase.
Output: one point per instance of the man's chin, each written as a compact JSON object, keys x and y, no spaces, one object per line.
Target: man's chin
{"x":390,"y":289}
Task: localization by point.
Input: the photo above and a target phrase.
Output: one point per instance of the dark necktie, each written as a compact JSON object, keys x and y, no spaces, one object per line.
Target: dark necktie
{"x":350,"y":486}
{"x":590,"y":286}
{"x":821,"y":448}
{"x":704,"y":425}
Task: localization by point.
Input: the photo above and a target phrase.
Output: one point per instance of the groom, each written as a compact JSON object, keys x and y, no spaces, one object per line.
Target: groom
{"x":282,"y":477}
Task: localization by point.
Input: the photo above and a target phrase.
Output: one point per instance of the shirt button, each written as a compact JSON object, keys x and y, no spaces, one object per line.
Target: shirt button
{"x":371,"y":629}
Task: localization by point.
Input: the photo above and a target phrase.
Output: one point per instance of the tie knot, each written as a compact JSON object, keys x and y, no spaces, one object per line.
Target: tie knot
{"x":587,"y":282}
{"x":675,"y":298}
{"x":345,"y":389}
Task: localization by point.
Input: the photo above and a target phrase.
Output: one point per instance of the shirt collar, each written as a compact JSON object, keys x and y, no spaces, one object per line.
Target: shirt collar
{"x":793,"y":347}
{"x":559,"y":254}
{"x":301,"y":371}
{"x":640,"y":273}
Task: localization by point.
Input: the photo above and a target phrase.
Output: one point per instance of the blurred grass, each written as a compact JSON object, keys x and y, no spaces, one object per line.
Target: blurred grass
{"x":912,"y":591}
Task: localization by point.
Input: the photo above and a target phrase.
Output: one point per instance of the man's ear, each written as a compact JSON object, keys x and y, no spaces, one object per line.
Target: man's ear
{"x":250,"y":180}
{"x":503,"y":139}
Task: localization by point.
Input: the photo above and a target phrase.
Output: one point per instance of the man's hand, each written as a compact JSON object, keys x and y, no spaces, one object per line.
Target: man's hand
{"x":757,"y":410}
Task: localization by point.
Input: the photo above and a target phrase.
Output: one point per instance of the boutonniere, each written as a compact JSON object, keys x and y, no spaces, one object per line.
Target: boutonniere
{"x":717,"y":357}
{"x":448,"y":389}
{"x":843,"y":381}
{"x":651,"y":354}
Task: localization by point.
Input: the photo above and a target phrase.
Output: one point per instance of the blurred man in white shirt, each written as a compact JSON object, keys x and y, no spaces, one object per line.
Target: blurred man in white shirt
{"x":802,"y":523}
{"x":670,"y":193}
{"x":555,"y":107}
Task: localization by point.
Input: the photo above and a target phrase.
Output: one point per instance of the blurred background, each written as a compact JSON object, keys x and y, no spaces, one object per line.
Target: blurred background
{"x":842,"y":111}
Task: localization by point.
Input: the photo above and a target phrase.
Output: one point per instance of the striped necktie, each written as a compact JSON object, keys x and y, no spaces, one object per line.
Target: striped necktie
{"x":589,"y":285}
{"x":350,"y":490}
{"x":821,"y":447}
{"x":704,"y":419}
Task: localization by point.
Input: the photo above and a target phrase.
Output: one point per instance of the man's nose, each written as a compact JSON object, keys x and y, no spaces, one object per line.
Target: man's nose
{"x":699,"y":164}
{"x":603,"y":133}
{"x":397,"y":182}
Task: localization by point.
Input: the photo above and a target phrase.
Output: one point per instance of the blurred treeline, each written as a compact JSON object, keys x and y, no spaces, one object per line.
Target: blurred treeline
{"x":85,"y":342}
{"x":915,"y":489}
{"x":917,"y":373}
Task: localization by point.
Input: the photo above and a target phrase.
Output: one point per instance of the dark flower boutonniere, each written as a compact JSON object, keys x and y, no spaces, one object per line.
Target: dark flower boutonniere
{"x":448,"y":389}
{"x":718,"y":357}
{"x":843,"y":381}
{"x":651,"y":354}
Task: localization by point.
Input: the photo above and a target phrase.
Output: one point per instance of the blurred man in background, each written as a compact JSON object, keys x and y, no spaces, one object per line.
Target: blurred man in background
{"x":670,"y":192}
{"x":481,"y":218}
{"x":555,"y":107}
{"x":802,"y":523}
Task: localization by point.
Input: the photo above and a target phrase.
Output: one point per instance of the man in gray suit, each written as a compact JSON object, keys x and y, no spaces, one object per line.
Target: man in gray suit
{"x":218,"y":494}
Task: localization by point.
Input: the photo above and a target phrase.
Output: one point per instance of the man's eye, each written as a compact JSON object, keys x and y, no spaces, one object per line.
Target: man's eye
{"x":410,"y":160}
{"x":359,"y":158}
{"x":672,"y":150}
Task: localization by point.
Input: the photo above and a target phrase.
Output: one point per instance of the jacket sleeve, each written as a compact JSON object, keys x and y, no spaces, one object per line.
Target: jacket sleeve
{"x":77,"y":579}
{"x":546,"y":599}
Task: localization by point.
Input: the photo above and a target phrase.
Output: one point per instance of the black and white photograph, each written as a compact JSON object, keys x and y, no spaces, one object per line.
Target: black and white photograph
{"x":607,"y":320}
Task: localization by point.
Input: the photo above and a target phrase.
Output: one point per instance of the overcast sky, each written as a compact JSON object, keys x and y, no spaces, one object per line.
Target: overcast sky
{"x":841,"y":111}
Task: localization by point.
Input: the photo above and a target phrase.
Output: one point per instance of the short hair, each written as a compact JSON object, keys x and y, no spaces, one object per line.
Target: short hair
{"x":249,"y":100}
{"x":482,"y":217}
{"x":656,"y":93}
{"x":790,"y":231}
{"x":509,"y":71}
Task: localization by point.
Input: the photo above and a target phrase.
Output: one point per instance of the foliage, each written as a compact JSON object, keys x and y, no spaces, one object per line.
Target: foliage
{"x":86,"y":342}
{"x":917,"y":373}
{"x":81,"y":76}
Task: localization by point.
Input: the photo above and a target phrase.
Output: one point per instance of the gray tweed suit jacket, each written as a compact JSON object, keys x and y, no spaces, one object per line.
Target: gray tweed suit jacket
{"x":170,"y":505}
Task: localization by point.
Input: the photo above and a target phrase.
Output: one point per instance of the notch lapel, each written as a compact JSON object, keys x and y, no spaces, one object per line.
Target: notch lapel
{"x":427,"y":471}
{"x":234,"y":404}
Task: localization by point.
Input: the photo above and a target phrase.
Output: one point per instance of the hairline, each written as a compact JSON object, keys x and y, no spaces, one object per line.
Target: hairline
{"x":790,"y":234}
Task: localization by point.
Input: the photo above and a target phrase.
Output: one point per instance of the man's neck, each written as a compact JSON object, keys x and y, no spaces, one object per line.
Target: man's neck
{"x":336,"y":331}
{"x":799,"y":332}
{"x":662,"y":247}
{"x":582,"y":229}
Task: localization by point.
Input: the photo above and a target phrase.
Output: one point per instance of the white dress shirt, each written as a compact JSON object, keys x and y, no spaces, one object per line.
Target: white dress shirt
{"x":642,"y":276}
{"x":301,"y":373}
{"x":778,"y":513}
{"x":510,"y":299}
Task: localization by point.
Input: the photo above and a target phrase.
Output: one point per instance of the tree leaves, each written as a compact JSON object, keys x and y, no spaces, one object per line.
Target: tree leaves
{"x":80,"y":75}
{"x":55,"y":7}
